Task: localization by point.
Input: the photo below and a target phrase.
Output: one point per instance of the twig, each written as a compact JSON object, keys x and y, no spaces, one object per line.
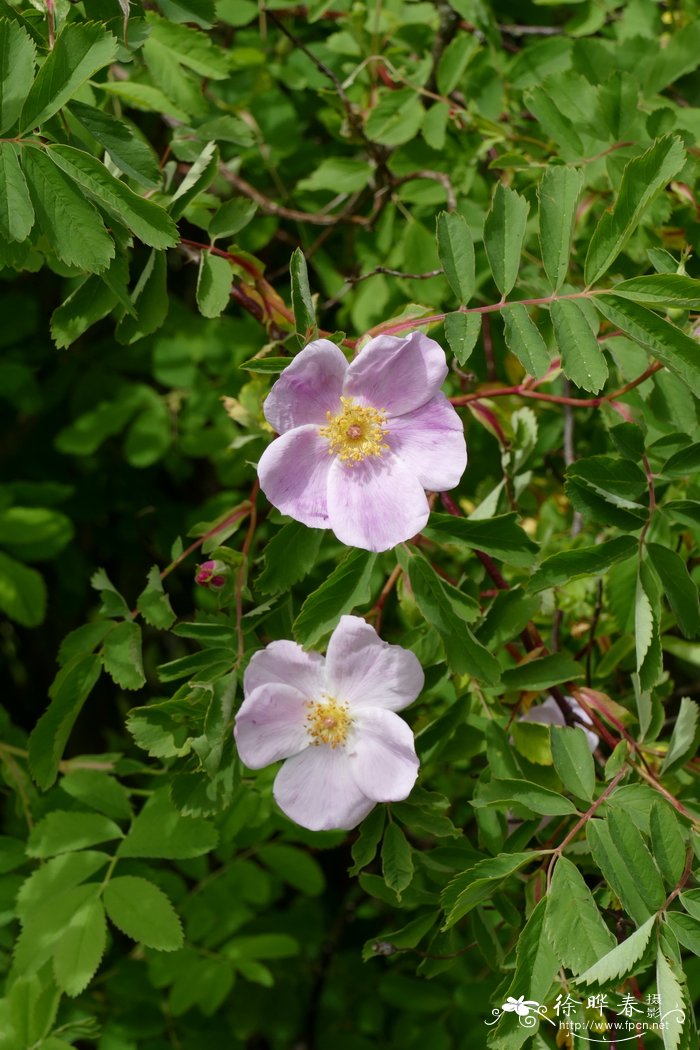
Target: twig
{"x":580,"y":823}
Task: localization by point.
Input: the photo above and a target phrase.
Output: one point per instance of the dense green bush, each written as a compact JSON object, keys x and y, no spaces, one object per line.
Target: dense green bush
{"x":517,"y":181}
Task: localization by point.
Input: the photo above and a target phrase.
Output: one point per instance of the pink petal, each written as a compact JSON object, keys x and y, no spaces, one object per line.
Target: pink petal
{"x":382,"y":755}
{"x":548,"y":713}
{"x":308,"y":388}
{"x":293,"y":473}
{"x":397,"y":374}
{"x":363,"y":669}
{"x":271,"y":725}
{"x":316,"y":790}
{"x":284,"y":662}
{"x":430,"y":440}
{"x":376,"y":503}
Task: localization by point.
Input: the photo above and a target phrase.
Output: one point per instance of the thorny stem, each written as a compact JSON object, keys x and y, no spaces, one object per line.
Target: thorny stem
{"x":581,"y":822}
{"x":521,"y":390}
{"x":378,"y":607}
{"x":682,"y":881}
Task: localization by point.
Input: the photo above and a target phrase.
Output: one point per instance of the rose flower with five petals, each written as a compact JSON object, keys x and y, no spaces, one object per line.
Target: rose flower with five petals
{"x":360,"y":443}
{"x":334,"y":720}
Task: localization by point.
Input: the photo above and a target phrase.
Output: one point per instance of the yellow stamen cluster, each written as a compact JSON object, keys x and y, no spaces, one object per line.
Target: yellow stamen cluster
{"x":328,"y":721}
{"x":357,"y":431}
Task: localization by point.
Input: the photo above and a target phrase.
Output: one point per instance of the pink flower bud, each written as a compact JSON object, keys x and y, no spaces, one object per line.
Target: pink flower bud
{"x":211,"y":574}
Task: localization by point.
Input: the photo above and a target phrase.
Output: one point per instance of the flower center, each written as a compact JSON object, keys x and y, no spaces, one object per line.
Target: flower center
{"x":328,"y":721}
{"x":357,"y":431}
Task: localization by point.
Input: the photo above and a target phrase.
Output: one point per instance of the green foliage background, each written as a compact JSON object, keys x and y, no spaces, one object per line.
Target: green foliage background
{"x":163,"y":168}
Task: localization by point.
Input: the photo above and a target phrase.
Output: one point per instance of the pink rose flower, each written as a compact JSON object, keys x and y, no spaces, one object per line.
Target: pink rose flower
{"x":360,"y":443}
{"x":334,"y":720}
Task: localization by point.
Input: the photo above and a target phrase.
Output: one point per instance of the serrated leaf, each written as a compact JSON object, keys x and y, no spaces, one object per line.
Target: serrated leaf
{"x":69,"y":691}
{"x":678,"y":586}
{"x":16,"y":211}
{"x":669,"y":846}
{"x":661,"y":289}
{"x":85,"y":306}
{"x":143,"y":912}
{"x":44,"y":927}
{"x":585,"y":561}
{"x":289,"y":556}
{"x":396,"y":118}
{"x":150,"y":301}
{"x":297,"y":868}
{"x":684,"y":738}
{"x":22,"y":592}
{"x":462,"y":331}
{"x":626,"y":864}
{"x":80,"y":948}
{"x":64,"y":832}
{"x":582,"y":359}
{"x":98,"y":791}
{"x":81,"y":48}
{"x":523,"y":793}
{"x":642,"y":179}
{"x":558,"y":194}
{"x":478,"y":883}
{"x":672,"y":999}
{"x":364,"y":848}
{"x":121,"y":656}
{"x":622,"y":959}
{"x":213,"y":284}
{"x":500,"y":536}
{"x":540,"y":673}
{"x":347,"y":587}
{"x":199,"y":177}
{"x":573,"y":761}
{"x":573,"y":923}
{"x":73,"y":228}
{"x":456,"y":251}
{"x":397,"y":860}
{"x":154,"y":604}
{"x":55,"y":876}
{"x":130,"y":153}
{"x":302,"y":303}
{"x":504,"y":231}
{"x":160,"y":831}
{"x":17,"y":62}
{"x":524,"y":340}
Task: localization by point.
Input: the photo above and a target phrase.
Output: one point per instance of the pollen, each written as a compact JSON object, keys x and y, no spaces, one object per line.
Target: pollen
{"x":355,"y":432}
{"x":328,"y":721}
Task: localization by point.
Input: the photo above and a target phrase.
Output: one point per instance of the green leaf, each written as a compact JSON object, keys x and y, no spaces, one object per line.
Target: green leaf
{"x":45,"y":926}
{"x":684,"y":738}
{"x":347,"y":587}
{"x":456,"y":251}
{"x":143,"y":97}
{"x":62,"y":832}
{"x":500,"y":536}
{"x":81,"y":49}
{"x":213,"y":284}
{"x":524,"y":340}
{"x":98,"y":791}
{"x":536,"y":965}
{"x":289,"y":556}
{"x":523,"y":793}
{"x":85,"y":306}
{"x":71,"y":225}
{"x":143,"y":912}
{"x":17,"y":62}
{"x":201,"y":12}
{"x":454,"y":61}
{"x":558,"y":194}
{"x":626,"y":864}
{"x":681,"y":464}
{"x":465,"y":654}
{"x":397,"y":860}
{"x":160,"y":831}
{"x":573,"y":923}
{"x":661,"y":290}
{"x":69,"y":691}
{"x":504,"y":231}
{"x":573,"y":761}
{"x":22,"y":592}
{"x":121,"y":656}
{"x":197,"y":51}
{"x":462,"y":331}
{"x":396,"y":118}
{"x":231,"y":217}
{"x":126,"y":149}
{"x":304,"y":313}
{"x":35,"y":533}
{"x":622,"y":959}
{"x":148,"y":221}
{"x":80,"y":948}
{"x":686,"y":929}
{"x":669,"y":845}
{"x":672,"y":347}
{"x":55,"y":876}
{"x":150,"y":301}
{"x":200,"y":176}
{"x":16,"y":211}
{"x":541,"y":673}
{"x":582,"y":359}
{"x":679,"y":588}
{"x":672,"y":1002}
{"x":643,"y":178}
{"x":154,"y":604}
{"x":479,"y":883}
{"x":364,"y":848}
{"x":586,"y":561}
{"x":690,"y":901}
{"x":297,"y":868}
{"x":337,"y":175}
